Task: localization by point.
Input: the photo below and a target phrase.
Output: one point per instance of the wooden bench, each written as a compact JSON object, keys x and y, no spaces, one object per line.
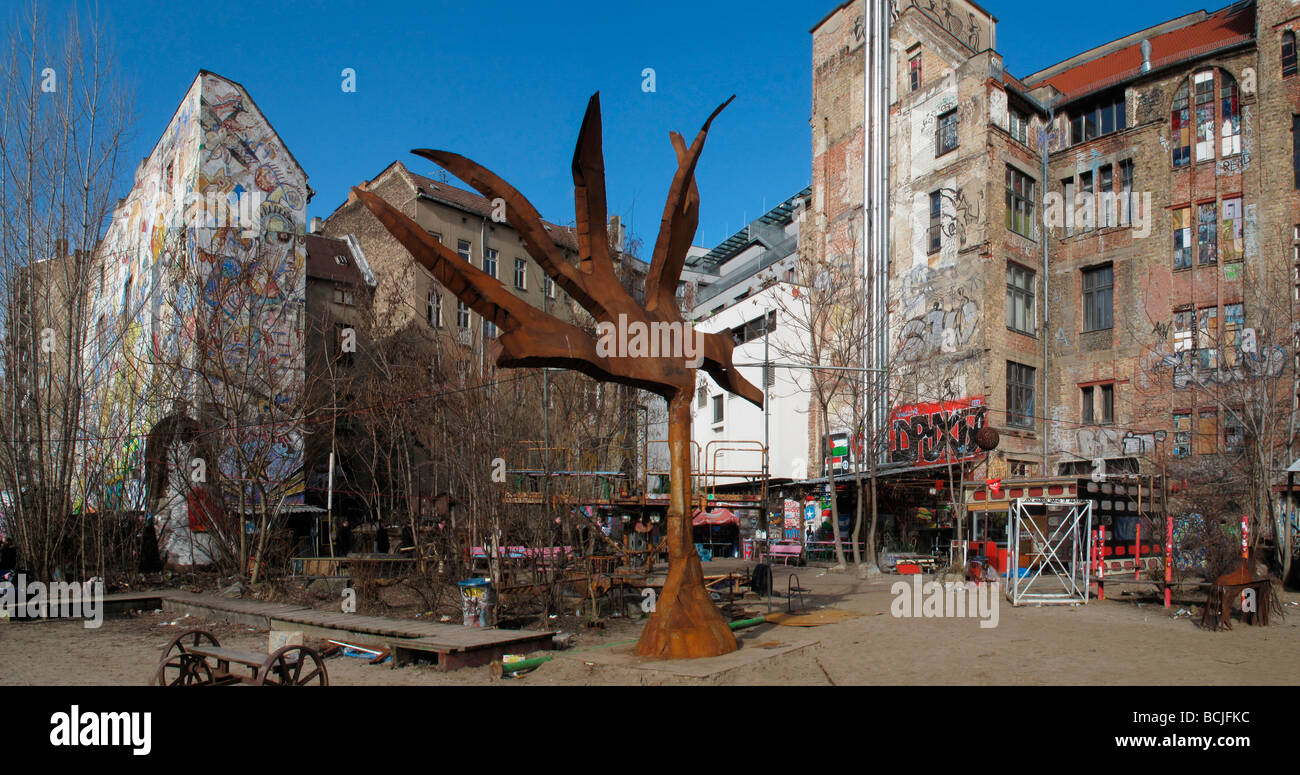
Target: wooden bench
{"x":785,"y":552}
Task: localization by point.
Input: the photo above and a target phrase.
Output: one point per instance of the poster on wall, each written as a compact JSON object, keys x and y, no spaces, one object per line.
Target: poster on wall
{"x":793,"y":523}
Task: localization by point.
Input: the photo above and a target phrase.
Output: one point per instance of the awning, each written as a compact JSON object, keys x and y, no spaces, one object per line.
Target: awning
{"x":715,"y":517}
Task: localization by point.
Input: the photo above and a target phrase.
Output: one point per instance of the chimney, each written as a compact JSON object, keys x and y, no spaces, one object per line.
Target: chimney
{"x":1146,"y":56}
{"x":60,"y":248}
{"x":315,"y":225}
{"x":617,"y":233}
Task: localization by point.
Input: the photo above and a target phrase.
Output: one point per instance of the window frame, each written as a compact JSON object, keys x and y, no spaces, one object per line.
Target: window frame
{"x":521,"y":274}
{"x":942,"y":123}
{"x":1098,"y":315}
{"x":1289,"y":67}
{"x":934,"y":235}
{"x":1026,"y":294}
{"x":1020,"y":202}
{"x":1021,"y":382}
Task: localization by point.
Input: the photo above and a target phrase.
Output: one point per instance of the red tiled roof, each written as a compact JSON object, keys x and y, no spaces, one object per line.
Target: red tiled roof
{"x":322,"y":264}
{"x":471,"y":202}
{"x":1234,"y":24}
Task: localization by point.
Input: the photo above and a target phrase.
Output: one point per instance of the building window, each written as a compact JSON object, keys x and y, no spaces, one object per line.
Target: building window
{"x":1232,"y":247}
{"x":934,"y":236}
{"x":1203,"y":85}
{"x":1098,"y":404}
{"x":521,"y":274}
{"x":702,"y":396}
{"x":1182,"y":238}
{"x":1099,"y":118}
{"x":490,"y":262}
{"x":463,"y":250}
{"x":946,"y":137}
{"x":1207,"y":230}
{"x":1184,"y":342}
{"x":548,"y":287}
{"x":1129,"y":205}
{"x":754,"y":329}
{"x":1207,"y":432}
{"x":489,"y":329}
{"x":1288,"y":54}
{"x":1180,"y":129}
{"x":1182,"y":435}
{"x":1106,"y":191}
{"x":436,"y":236}
{"x":1234,"y":327}
{"x":1020,"y":202}
{"x":1295,"y":150}
{"x":1018,"y":123}
{"x":1022,"y":468}
{"x":717,"y":409}
{"x":1207,"y":337}
{"x":1233,"y":433}
{"x":1230,"y":144}
{"x":1020,"y":395}
{"x":1067,"y":192}
{"x":1098,"y":298}
{"x":1020,"y":299}
{"x":462,"y":316}
{"x":434,"y":309}
{"x":343,"y":295}
{"x":1089,"y":218}
{"x":914,"y":71}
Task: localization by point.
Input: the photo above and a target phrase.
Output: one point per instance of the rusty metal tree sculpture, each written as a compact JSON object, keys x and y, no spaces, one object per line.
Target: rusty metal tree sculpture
{"x":685,"y":624}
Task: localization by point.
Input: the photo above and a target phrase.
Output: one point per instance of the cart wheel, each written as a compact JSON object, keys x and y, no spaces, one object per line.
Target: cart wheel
{"x":293,"y":666}
{"x":181,"y":668}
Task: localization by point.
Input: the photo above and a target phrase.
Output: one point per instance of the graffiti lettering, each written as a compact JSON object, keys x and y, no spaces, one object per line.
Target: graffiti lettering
{"x":936,"y":432}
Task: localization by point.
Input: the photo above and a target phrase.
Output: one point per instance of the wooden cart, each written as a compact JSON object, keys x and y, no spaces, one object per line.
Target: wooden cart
{"x":196,"y":658}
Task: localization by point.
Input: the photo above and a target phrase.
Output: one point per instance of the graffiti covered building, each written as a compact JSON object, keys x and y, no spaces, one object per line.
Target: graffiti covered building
{"x":196,"y":354}
{"x":1097,"y":299}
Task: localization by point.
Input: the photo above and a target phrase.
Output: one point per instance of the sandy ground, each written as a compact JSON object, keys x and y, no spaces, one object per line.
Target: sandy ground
{"x":1111,"y":642}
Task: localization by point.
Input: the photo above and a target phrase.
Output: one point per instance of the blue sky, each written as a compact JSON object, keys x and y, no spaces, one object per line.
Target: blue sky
{"x":506,"y":83}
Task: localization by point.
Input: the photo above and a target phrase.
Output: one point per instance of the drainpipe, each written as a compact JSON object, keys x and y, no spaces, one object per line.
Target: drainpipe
{"x":1042,"y":147}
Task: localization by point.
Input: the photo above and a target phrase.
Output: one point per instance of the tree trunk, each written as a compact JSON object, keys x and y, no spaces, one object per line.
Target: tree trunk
{"x":685,"y":624}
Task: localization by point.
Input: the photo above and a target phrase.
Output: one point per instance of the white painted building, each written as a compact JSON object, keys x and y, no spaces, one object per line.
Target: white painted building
{"x":746,"y":285}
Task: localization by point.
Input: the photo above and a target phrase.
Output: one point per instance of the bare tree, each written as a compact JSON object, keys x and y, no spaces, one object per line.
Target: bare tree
{"x":1227,"y":374}
{"x":64,"y":117}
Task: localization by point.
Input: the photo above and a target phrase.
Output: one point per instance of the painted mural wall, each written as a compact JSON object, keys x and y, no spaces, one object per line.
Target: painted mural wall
{"x":203,"y":272}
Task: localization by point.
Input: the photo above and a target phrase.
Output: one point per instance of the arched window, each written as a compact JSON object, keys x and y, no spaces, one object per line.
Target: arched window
{"x":1206,"y":113}
{"x":1288,"y":54}
{"x":1180,"y":129}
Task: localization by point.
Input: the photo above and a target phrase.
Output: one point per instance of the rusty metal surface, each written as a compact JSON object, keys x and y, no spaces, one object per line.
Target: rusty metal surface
{"x":686,"y":624}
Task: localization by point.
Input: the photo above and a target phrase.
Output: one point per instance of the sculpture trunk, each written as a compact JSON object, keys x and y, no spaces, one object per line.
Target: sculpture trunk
{"x":686,"y":624}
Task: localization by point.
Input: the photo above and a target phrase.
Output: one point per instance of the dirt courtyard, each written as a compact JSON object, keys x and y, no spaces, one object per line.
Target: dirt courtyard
{"x":1102,"y":643}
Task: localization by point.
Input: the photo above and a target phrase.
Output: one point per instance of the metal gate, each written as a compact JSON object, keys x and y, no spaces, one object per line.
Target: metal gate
{"x":1058,"y":550}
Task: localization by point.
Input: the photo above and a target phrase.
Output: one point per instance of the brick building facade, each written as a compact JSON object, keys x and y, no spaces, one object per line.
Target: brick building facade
{"x":1161,"y":137}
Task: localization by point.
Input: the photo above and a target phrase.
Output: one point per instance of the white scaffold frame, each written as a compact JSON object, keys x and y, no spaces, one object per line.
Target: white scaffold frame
{"x":1064,"y":559}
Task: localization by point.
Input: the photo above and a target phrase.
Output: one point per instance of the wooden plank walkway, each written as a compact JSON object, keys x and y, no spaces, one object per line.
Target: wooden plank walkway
{"x":452,"y":645}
